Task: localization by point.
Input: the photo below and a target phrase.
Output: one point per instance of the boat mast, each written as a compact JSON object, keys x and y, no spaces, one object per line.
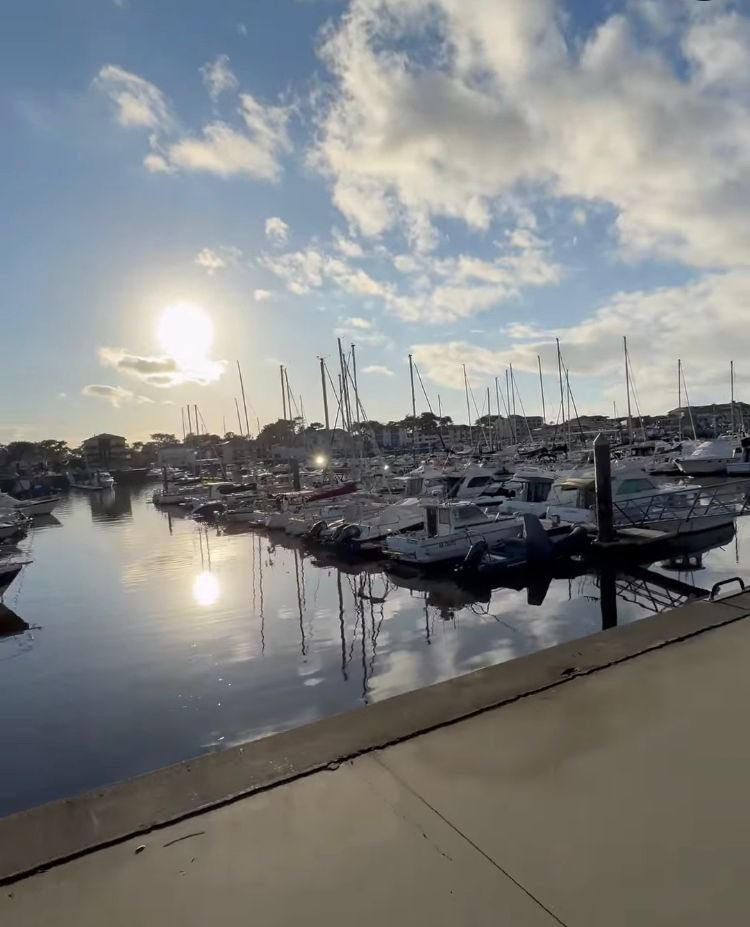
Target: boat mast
{"x":513,"y":403}
{"x":541,"y":388}
{"x":344,"y":390}
{"x":511,"y":424}
{"x":182,"y":413}
{"x":356,"y":387}
{"x":414,"y":408}
{"x":559,"y":373}
{"x":239,"y":419}
{"x":731,"y":392}
{"x":325,"y":397}
{"x":497,"y":400}
{"x":679,"y":399}
{"x":244,"y":402}
{"x":627,"y":388}
{"x":490,"y":429}
{"x":283,"y":391}
{"x":468,"y":407}
{"x":567,"y":390}
{"x":190,"y":423}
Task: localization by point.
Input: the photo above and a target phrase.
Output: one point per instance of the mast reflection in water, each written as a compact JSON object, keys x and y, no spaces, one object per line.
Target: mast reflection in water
{"x":152,"y":638}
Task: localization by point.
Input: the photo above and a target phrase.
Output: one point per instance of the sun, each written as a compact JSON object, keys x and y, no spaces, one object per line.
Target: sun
{"x":185,"y":332}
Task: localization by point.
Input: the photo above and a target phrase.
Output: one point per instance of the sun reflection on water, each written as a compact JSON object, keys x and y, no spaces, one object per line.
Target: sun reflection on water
{"x":206,"y":589}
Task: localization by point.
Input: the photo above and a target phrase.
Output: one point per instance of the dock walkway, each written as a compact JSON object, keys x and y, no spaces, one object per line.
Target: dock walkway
{"x":601,"y":782}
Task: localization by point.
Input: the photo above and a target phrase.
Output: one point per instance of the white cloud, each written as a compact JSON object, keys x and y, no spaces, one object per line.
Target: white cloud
{"x":261,"y":296}
{"x":161,"y":370}
{"x":254,"y":149}
{"x":357,"y":322}
{"x":209,"y":260}
{"x":277,"y":230}
{"x":503,"y":104}
{"x":696,"y":322}
{"x":218,"y":76}
{"x":115,"y":395}
{"x":379,"y":369}
{"x":241,"y":29}
{"x":223,"y":151}
{"x":138,"y":102}
{"x":347,"y":247}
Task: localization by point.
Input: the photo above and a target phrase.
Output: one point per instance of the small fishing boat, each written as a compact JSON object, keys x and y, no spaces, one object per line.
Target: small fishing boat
{"x":450,"y":528}
{"x":535,"y":550}
{"x":40,"y":505}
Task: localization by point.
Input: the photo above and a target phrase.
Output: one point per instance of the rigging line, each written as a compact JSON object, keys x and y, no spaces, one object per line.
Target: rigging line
{"x":429,"y":406}
{"x":575,"y":407}
{"x":523,"y":411}
{"x":687,"y":402}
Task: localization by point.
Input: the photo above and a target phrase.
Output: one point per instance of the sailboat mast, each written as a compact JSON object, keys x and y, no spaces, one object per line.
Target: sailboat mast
{"x":414,"y":407}
{"x":541,"y":389}
{"x":731,"y":392}
{"x":468,"y":406}
{"x":190,"y":421}
{"x":497,"y":400}
{"x":567,"y":390}
{"x":513,"y":401}
{"x":511,"y":430}
{"x":325,"y":396}
{"x":244,"y":401}
{"x":239,"y":419}
{"x":283,"y":391}
{"x":182,"y":413}
{"x":356,"y":386}
{"x":489,"y":420}
{"x":559,"y":373}
{"x":679,"y":399}
{"x":627,"y":388}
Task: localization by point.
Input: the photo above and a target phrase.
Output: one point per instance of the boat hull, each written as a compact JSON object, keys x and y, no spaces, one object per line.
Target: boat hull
{"x":441,"y":549}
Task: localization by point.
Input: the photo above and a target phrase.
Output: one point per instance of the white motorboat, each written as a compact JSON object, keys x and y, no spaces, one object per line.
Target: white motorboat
{"x":711,"y":457}
{"x":638,"y":500}
{"x":528,"y":490}
{"x":450,"y":528}
{"x":12,"y":524}
{"x":93,"y":482}
{"x":42,"y":505}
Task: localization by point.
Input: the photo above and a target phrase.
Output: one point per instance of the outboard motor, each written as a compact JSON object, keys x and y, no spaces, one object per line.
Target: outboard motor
{"x":348,"y":533}
{"x":317,"y":529}
{"x":474,"y":557}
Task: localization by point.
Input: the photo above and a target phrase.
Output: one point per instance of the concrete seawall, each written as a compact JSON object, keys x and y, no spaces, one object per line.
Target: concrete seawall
{"x":60,"y":831}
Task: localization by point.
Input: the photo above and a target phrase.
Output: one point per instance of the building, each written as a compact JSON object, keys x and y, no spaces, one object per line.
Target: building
{"x":105,"y":452}
{"x":177,"y":455}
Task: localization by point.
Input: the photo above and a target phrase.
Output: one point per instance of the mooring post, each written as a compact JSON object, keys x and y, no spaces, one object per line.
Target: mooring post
{"x":603,"y":478}
{"x":164,"y":480}
{"x":608,"y":601}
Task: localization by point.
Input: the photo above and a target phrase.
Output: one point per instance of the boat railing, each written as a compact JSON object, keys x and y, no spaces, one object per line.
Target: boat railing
{"x":727,"y":498}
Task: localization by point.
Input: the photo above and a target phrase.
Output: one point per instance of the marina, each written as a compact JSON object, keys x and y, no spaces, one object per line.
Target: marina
{"x":147,"y":637}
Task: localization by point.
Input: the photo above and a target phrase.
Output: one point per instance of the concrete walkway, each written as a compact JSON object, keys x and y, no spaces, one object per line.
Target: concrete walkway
{"x":618,"y":797}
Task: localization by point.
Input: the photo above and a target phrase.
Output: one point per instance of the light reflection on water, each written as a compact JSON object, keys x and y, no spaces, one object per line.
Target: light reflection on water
{"x":154,"y":639}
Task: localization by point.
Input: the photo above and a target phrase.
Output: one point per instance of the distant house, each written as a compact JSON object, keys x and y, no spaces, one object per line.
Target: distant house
{"x":105,"y":452}
{"x":177,"y":455}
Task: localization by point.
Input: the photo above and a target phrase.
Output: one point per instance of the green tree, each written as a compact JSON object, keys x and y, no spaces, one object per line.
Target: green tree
{"x":163,"y":438}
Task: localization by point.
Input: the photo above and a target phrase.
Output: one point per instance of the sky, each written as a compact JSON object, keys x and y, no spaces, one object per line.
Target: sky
{"x":185,"y":185}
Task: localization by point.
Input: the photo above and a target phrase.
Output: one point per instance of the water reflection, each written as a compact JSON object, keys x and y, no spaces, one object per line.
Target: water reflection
{"x":157,"y":639}
{"x":206,"y":589}
{"x":111,"y":504}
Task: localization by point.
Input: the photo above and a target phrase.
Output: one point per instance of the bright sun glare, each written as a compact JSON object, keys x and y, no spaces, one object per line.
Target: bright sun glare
{"x":185,"y":332}
{"x":206,"y":589}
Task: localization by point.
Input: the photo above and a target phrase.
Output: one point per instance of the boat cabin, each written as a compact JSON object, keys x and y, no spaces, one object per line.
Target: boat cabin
{"x":528,"y":486}
{"x":441,"y":520}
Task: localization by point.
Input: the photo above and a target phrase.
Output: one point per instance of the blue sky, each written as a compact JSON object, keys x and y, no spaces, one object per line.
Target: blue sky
{"x":463,"y":179}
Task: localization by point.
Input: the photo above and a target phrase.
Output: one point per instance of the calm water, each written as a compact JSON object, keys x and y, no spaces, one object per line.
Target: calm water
{"x":154,"y":639}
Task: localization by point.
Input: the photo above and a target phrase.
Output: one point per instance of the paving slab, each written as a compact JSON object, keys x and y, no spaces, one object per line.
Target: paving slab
{"x":350,"y":845}
{"x":618,"y":799}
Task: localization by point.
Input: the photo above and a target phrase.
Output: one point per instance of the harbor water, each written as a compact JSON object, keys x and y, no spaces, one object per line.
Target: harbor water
{"x":153,"y":639}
